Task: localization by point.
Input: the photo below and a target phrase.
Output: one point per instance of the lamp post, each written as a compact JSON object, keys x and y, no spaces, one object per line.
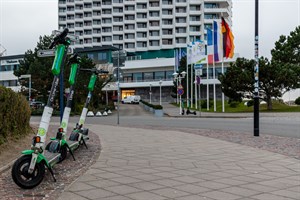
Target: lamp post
{"x":118,"y":55}
{"x":29,"y":90}
{"x":107,"y":86}
{"x":160,"y":82}
{"x":179,"y":76}
{"x":150,"y":93}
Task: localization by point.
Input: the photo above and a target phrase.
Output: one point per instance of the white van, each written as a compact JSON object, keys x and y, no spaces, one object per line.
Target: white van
{"x":132,"y":99}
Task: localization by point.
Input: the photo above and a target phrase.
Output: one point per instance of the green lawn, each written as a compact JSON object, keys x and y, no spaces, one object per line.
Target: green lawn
{"x":277,"y":107}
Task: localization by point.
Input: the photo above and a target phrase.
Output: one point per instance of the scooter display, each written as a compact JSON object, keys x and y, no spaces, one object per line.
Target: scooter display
{"x":28,"y":171}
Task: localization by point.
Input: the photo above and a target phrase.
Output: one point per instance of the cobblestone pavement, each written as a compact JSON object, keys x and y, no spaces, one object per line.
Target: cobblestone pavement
{"x":150,"y":164}
{"x":65,"y":172}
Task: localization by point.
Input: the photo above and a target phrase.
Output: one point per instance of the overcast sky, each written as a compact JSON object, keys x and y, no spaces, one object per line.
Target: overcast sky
{"x":23,"y":21}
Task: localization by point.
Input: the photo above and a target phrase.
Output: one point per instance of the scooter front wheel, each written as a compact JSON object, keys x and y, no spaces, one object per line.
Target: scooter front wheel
{"x":21,"y":176}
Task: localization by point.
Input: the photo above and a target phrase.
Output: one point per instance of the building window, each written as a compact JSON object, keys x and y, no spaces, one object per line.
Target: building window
{"x":141,"y":34}
{"x":194,"y":7}
{"x":154,"y":33}
{"x":141,"y":44}
{"x":180,"y":9}
{"x":137,"y":77}
{"x":141,"y":6}
{"x":154,"y":42}
{"x":142,"y":25}
{"x":180,"y":19}
{"x":167,"y":21}
{"x":118,"y":19}
{"x":181,"y":30}
{"x":106,"y":29}
{"x":167,"y":12}
{"x":195,"y":28}
{"x":106,"y":38}
{"x":148,"y":76}
{"x":118,"y":28}
{"x":129,"y":45}
{"x":129,"y":17}
{"x":141,"y":15}
{"x":118,"y":37}
{"x":154,"y":13}
{"x":167,"y":31}
{"x":129,"y":26}
{"x":194,"y":18}
{"x":167,"y":41}
{"x":159,"y":76}
{"x":180,"y":40}
{"x":167,"y":2}
{"x":102,"y":56}
{"x":129,"y":8}
{"x":118,"y":10}
{"x":169,"y":75}
{"x":106,"y":20}
{"x":154,"y":23}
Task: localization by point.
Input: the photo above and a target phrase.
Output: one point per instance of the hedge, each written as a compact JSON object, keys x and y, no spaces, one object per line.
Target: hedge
{"x":14,"y":115}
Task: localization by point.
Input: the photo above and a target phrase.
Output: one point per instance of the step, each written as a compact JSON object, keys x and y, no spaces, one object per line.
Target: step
{"x":52,"y":158}
{"x":72,"y":144}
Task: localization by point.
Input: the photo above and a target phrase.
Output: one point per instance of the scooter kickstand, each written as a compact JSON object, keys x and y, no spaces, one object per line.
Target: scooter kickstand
{"x":83,"y":141}
{"x":71,"y":152}
{"x":51,"y":171}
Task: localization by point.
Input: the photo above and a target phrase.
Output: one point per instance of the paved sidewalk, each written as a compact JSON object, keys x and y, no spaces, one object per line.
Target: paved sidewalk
{"x":143,"y":164}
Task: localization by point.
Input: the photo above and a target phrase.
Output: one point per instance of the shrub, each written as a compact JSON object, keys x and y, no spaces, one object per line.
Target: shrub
{"x":204,"y":104}
{"x":234,"y":104}
{"x":157,"y":107}
{"x":250,"y":103}
{"x":297,"y":101}
{"x":14,"y":115}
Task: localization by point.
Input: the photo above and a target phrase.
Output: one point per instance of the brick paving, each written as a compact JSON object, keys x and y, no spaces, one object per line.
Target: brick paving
{"x":138,"y":163}
{"x":65,"y":172}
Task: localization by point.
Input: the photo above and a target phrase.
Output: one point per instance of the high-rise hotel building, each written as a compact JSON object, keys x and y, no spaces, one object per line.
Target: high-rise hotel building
{"x":140,"y":25}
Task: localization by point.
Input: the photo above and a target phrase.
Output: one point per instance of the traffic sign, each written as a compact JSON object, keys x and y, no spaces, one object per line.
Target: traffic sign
{"x":180,"y":87}
{"x":180,"y":92}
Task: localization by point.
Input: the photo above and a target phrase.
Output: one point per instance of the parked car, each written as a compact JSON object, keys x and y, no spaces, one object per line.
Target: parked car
{"x":36,"y":104}
{"x":135,"y":99}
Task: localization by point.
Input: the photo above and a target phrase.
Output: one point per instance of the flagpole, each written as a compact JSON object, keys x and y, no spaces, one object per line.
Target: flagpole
{"x":187,"y":76}
{"x":196,"y":95}
{"x":223,"y":97}
{"x":214,"y":69}
{"x":192,"y":67}
{"x":207,"y":87}
{"x":200,"y":97}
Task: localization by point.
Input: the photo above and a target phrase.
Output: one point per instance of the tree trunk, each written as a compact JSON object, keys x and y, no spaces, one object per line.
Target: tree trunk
{"x":269,"y":103}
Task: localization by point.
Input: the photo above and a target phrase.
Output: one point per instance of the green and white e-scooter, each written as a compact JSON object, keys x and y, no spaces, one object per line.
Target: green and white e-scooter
{"x":60,"y":139}
{"x":79,"y":135}
{"x":29,"y":170}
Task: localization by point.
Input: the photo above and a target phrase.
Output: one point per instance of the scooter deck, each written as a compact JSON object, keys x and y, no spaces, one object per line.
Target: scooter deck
{"x":72,"y":144}
{"x":52,"y":157}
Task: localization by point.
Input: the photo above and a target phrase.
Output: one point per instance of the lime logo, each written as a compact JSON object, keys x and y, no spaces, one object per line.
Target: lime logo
{"x":81,"y":121}
{"x":63,"y":124}
{"x":42,"y":131}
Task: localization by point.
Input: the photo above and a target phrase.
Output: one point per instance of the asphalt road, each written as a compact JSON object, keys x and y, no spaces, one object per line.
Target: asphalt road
{"x":134,"y":115}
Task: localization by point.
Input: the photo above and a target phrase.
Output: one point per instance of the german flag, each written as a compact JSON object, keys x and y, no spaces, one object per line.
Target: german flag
{"x":228,"y":44}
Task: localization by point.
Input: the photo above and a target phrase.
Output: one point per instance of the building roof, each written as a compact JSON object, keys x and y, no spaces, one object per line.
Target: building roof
{"x":12,"y":57}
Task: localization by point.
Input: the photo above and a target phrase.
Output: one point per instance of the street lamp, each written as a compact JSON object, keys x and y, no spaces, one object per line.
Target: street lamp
{"x":118,"y":54}
{"x":150,"y":92}
{"x":179,"y":76}
{"x":29,"y":90}
{"x":160,"y":82}
{"x":107,"y":86}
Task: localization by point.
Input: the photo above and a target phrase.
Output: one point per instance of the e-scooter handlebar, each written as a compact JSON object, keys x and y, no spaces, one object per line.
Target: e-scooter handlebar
{"x":60,"y":38}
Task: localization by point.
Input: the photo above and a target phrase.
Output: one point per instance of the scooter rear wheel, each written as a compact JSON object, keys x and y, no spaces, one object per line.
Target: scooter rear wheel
{"x":63,"y":153}
{"x":21,"y":176}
